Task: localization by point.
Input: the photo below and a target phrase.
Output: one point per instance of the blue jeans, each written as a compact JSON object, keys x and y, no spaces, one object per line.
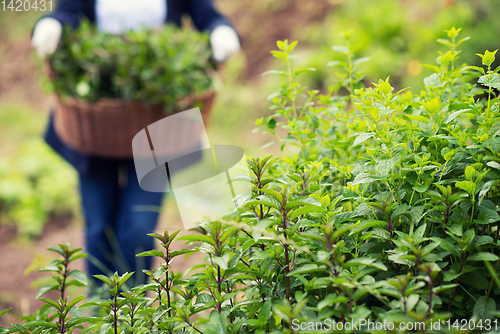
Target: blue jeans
{"x":118,"y":217}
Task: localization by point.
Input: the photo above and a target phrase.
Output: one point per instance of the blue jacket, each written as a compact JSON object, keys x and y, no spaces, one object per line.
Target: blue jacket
{"x":205,"y":17}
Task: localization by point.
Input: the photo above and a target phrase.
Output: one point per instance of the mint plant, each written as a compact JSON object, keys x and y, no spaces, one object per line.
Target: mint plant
{"x":385,"y":207}
{"x":412,"y":176}
{"x":58,"y":315}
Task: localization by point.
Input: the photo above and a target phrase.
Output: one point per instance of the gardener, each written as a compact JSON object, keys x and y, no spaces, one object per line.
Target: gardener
{"x":115,"y":229}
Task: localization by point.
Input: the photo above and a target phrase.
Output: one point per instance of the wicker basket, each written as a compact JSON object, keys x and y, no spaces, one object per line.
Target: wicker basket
{"x":106,"y":128}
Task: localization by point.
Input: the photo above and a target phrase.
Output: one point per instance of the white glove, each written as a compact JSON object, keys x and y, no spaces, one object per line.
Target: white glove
{"x":46,"y":36}
{"x":225,"y":42}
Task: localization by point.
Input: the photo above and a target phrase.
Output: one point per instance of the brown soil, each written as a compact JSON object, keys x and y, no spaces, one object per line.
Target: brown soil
{"x":19,"y":80}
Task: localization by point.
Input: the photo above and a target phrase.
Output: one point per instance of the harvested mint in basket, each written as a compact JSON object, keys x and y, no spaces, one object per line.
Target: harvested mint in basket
{"x":152,"y":66}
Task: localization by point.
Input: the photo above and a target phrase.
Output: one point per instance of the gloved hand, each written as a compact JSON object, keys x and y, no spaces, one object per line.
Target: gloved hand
{"x":46,"y":36}
{"x":225,"y":42}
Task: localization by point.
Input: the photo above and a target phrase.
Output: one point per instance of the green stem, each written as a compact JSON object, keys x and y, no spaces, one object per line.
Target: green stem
{"x":456,"y":282}
{"x":349,"y":70}
{"x":487,"y":116}
{"x":472,"y":213}
{"x":491,"y":280}
{"x":453,"y":51}
{"x":442,"y":172}
{"x":289,"y":81}
{"x":115,"y":314}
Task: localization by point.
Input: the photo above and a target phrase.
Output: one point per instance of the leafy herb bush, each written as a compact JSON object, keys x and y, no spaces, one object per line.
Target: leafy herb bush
{"x":150,"y":66}
{"x":384,"y":209}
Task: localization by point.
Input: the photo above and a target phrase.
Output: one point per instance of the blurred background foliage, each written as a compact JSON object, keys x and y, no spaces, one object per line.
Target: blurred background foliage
{"x":35,"y":184}
{"x":398,"y":36}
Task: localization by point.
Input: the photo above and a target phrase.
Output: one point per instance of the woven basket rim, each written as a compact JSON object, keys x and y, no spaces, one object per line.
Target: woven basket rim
{"x":122,"y":103}
{"x":105,"y":129}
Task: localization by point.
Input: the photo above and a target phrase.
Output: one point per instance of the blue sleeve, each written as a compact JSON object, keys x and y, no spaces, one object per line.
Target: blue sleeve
{"x":204,"y":15}
{"x":71,"y":11}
